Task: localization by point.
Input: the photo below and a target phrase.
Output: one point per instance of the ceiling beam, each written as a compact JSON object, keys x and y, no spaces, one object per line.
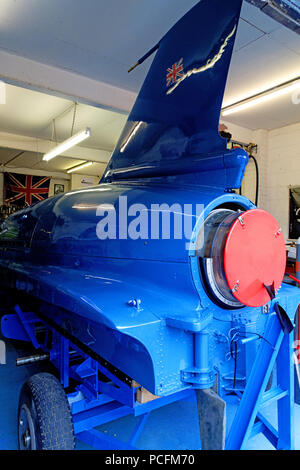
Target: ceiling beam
{"x":30,"y":144}
{"x":30,"y":171}
{"x":14,"y":158}
{"x":64,"y":83}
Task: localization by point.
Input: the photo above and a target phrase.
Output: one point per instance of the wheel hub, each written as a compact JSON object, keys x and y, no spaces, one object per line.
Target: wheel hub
{"x":26,"y":429}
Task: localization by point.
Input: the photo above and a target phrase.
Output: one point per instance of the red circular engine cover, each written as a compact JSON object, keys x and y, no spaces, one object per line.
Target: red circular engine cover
{"x":254,"y":255}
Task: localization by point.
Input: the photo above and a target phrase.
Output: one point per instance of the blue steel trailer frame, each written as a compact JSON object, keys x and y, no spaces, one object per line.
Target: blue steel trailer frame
{"x":95,"y":401}
{"x":101,"y":396}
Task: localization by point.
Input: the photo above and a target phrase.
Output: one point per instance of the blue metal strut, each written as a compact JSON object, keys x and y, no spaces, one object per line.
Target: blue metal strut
{"x":249,"y":421}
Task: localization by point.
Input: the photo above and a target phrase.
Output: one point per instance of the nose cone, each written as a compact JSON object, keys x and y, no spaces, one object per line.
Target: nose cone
{"x":254,"y":256}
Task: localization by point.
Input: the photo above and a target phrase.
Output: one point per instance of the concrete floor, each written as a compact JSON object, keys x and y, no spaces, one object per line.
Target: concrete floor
{"x":173,"y":427}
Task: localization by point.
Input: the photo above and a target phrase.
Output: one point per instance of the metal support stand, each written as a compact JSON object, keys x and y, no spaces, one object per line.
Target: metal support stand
{"x":212,"y":419}
{"x":249,"y":420}
{"x":201,"y":375}
{"x":101,"y":394}
{"x":297,"y":334}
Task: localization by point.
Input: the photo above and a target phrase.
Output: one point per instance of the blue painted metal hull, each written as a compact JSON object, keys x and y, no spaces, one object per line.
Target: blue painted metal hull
{"x":90,"y":281}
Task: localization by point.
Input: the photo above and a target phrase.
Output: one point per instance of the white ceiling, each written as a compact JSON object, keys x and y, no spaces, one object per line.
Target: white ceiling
{"x":30,"y":113}
{"x":33,"y":160}
{"x":100,"y":40}
{"x":266,"y":54}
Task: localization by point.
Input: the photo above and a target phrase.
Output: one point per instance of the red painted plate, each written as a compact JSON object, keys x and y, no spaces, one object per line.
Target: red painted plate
{"x":254,"y":255}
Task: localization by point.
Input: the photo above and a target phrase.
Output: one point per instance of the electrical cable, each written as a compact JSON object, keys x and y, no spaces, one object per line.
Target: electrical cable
{"x":233,"y":342}
{"x":234,"y":356}
{"x":74,"y":116}
{"x":235,"y":364}
{"x":54,"y":131}
{"x":260,"y":337}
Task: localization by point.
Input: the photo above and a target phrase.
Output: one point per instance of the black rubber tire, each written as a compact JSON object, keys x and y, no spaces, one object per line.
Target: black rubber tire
{"x":44,"y":401}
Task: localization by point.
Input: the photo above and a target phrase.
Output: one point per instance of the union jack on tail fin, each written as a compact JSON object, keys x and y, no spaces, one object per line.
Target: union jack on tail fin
{"x":177,"y":111}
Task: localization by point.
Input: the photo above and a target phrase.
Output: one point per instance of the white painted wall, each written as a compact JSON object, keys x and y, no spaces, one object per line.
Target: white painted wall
{"x":279,"y":168}
{"x":82,"y":181}
{"x":247,"y":136}
{"x":239,"y":133}
{"x":283,"y":168}
{"x":53,"y":181}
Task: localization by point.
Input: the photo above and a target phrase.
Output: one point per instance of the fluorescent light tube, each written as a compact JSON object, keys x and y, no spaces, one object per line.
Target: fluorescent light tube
{"x":79,"y":167}
{"x":261,"y":98}
{"x":74,"y":140}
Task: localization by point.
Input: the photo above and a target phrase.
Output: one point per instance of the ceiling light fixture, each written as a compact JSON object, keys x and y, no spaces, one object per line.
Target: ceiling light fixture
{"x":74,"y":140}
{"x":267,"y":95}
{"x":79,"y":167}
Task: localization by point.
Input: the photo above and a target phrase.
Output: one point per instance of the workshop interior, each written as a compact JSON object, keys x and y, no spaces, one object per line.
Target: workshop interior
{"x":149,"y":225}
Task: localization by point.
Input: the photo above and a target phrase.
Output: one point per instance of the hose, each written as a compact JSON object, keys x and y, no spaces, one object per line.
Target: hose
{"x":257,"y":178}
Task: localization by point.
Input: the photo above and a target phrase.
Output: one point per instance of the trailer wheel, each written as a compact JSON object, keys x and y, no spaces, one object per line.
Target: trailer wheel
{"x":44,"y":415}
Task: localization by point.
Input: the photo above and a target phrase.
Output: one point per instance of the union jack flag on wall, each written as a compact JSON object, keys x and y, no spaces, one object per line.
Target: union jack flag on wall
{"x":25,"y":189}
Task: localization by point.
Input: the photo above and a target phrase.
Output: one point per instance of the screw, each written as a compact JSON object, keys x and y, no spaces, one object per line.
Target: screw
{"x":278,"y":232}
{"x":241,"y":220}
{"x":26,"y":439}
{"x":134,"y":303}
{"x":236,"y":287}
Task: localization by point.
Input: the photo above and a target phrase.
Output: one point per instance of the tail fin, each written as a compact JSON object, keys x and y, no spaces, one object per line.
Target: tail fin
{"x":176,"y":114}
